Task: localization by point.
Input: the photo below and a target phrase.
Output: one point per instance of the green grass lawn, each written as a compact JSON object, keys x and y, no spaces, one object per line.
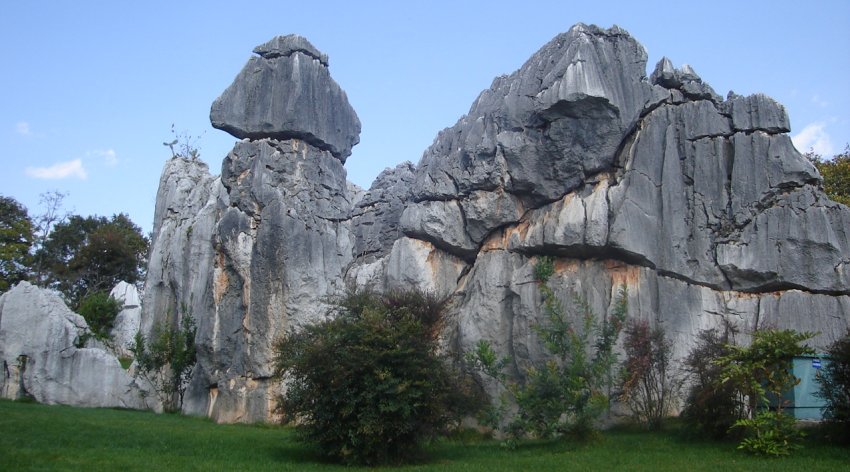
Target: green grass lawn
{"x":42,"y":437}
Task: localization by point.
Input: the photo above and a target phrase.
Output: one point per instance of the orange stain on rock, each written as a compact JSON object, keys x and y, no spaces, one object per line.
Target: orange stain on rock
{"x":500,"y":240}
{"x":220,"y":279}
{"x":622,"y":273}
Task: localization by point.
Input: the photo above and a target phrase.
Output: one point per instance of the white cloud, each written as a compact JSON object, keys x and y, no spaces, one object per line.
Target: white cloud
{"x":110,"y":158}
{"x":814,"y":138}
{"x":23,"y":128}
{"x":62,"y":170}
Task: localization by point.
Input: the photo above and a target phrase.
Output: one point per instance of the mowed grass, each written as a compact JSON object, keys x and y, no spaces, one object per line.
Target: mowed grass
{"x":42,"y":437}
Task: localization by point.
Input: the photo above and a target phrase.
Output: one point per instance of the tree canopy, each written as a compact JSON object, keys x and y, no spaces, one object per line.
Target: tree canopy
{"x":16,"y":239}
{"x":835,"y":173}
{"x":86,"y":254}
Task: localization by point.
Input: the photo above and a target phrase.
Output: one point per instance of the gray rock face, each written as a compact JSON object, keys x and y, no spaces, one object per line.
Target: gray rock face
{"x":287,"y":92}
{"x":288,"y":45}
{"x":276,"y":239}
{"x":377,"y":213}
{"x":39,"y":336}
{"x":249,"y":254}
{"x":531,"y":138}
{"x":180,"y":268}
{"x":129,"y":319}
{"x":700,"y":207}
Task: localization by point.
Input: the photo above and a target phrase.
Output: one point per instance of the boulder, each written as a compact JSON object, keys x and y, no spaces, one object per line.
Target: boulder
{"x":287,"y":92}
{"x":43,"y":358}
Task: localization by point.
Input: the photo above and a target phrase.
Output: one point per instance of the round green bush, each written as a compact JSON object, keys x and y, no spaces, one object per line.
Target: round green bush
{"x":368,"y":386}
{"x":100,"y":310}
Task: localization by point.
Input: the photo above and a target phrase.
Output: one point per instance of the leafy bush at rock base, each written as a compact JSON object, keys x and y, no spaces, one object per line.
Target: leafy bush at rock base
{"x":711,"y":407}
{"x":369,"y":386}
{"x":647,"y":381}
{"x":759,"y":372}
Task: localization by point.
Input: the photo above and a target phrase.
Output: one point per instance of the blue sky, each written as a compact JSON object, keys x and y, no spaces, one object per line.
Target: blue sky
{"x":89,"y":90}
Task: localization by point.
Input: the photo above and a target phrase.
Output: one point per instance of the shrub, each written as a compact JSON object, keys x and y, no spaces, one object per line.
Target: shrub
{"x":834,"y":380}
{"x":647,"y":383}
{"x":485,"y":360}
{"x":769,"y":433}
{"x":166,"y":360}
{"x":369,"y":385}
{"x":711,"y":407}
{"x":761,"y":372}
{"x":99,"y":310}
{"x":568,"y":393}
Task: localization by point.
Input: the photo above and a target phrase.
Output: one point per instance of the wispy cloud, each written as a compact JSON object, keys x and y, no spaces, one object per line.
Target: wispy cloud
{"x":110,"y":158}
{"x":814,"y":138}
{"x":23,"y":128}
{"x":61,"y":170}
{"x":821,"y":102}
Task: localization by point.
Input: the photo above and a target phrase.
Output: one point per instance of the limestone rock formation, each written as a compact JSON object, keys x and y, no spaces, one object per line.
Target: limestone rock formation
{"x":39,"y":339}
{"x":188,"y":204}
{"x":699,"y":206}
{"x":287,"y":92}
{"x":258,"y":250}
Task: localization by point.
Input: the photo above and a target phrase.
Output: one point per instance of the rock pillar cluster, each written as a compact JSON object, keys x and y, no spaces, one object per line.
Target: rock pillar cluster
{"x":698,"y":205}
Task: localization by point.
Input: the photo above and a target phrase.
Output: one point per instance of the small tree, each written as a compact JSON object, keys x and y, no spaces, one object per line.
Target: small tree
{"x":52,"y":214}
{"x":647,"y":383}
{"x":166,"y":360}
{"x":569,"y":392}
{"x":369,"y":385}
{"x":834,"y":380}
{"x":186,"y":144}
{"x":761,"y":372}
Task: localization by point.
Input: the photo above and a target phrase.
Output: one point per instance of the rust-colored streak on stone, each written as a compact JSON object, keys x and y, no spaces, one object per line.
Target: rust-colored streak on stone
{"x":220,"y":279}
{"x":622,"y":273}
{"x":244,"y":175}
{"x":500,"y":240}
{"x":566,"y":266}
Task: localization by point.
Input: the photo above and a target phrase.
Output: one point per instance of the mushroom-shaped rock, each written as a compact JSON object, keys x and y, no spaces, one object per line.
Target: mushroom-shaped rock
{"x":287,"y":92}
